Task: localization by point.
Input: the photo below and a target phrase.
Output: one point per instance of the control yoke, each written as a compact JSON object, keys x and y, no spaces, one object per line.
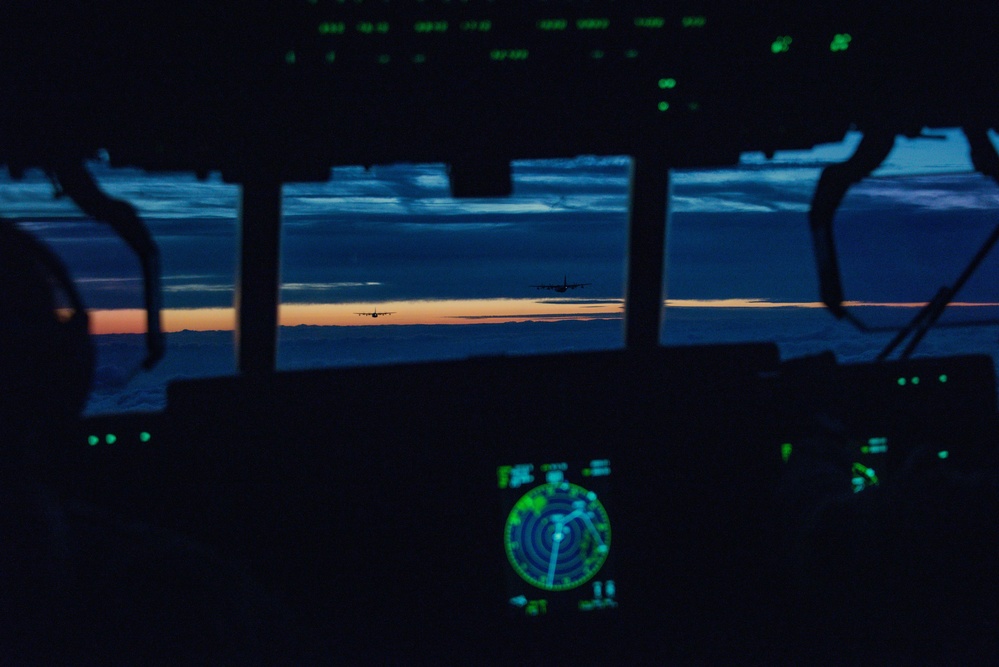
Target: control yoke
{"x":837,"y":179}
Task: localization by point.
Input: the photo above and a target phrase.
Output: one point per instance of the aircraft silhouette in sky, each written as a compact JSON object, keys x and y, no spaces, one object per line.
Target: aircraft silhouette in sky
{"x":375,"y":313}
{"x":564,"y":287}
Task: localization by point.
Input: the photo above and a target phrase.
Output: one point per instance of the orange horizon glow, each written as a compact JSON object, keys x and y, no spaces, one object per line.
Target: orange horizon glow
{"x":452,"y":311}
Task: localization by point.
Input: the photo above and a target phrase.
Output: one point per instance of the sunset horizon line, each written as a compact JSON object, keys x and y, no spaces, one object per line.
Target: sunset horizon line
{"x":442,"y":311}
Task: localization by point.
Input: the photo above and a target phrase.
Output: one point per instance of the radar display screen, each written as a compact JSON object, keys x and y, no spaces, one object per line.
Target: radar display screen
{"x":557,"y":537}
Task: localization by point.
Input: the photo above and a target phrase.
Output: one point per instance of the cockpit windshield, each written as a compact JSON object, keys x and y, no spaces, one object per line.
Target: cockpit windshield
{"x":381,"y":265}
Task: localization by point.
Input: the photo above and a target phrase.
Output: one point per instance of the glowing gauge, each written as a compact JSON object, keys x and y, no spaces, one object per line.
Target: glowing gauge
{"x":557,"y":536}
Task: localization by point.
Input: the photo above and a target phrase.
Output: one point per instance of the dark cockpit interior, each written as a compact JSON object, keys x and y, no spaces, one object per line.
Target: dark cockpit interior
{"x":613,"y":507}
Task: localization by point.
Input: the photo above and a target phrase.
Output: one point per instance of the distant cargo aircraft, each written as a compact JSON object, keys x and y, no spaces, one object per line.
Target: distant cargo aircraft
{"x":375,"y":313}
{"x":564,"y":287}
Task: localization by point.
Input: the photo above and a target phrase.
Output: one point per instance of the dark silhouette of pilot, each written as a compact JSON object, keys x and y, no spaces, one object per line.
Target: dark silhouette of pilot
{"x":906,"y":572}
{"x":79,"y":585}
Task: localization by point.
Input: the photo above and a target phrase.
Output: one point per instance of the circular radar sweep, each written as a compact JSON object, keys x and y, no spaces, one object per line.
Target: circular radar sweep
{"x":557,"y":536}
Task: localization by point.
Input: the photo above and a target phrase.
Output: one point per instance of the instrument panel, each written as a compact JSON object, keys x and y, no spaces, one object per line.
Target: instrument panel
{"x":451,"y":508}
{"x":285,"y":91}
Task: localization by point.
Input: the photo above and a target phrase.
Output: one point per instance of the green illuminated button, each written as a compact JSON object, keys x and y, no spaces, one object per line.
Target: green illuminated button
{"x":901,"y":382}
{"x":667,"y":83}
{"x":110,"y":438}
{"x":943,"y":454}
{"x":693,"y":21}
{"x":145,"y":436}
{"x":942,"y":378}
{"x":631,"y":53}
{"x":290,"y":58}
{"x":596,"y":54}
{"x":508,"y":54}
{"x":332,"y":28}
{"x":663,"y":106}
{"x":330,"y":56}
{"x":476,"y":26}
{"x":92,"y":440}
{"x":430,"y":26}
{"x":369,"y":28}
{"x":592,"y":24}
{"x":551,"y":25}
{"x":785,"y":451}
{"x":840,"y":42}
{"x":781,"y":45}
{"x":650,"y":21}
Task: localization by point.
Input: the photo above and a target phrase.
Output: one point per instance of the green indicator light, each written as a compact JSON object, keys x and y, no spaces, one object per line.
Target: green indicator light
{"x":915,"y":380}
{"x":290,"y":58}
{"x":840,"y":42}
{"x":476,"y":26}
{"x":785,"y":451}
{"x":332,"y":28}
{"x":631,"y":53}
{"x":586,"y":472}
{"x":663,"y":106}
{"x":901,"y":382}
{"x":368,"y":28}
{"x":667,"y":83}
{"x":536,"y":608}
{"x":942,"y":378}
{"x":330,"y":56}
{"x":110,"y":438}
{"x":942,"y":454}
{"x":92,"y":440}
{"x":865,"y":449}
{"x":550,"y":25}
{"x":781,"y":45}
{"x":384,"y":59}
{"x":503,"y":476}
{"x":420,"y":58}
{"x":877,"y":440}
{"x":508,"y":54}
{"x":597,"y":54}
{"x":693,"y":21}
{"x":430,"y":26}
{"x":650,"y":22}
{"x":145,"y":436}
{"x":592,"y":24}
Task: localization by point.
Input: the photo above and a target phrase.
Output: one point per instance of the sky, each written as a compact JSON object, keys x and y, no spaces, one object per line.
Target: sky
{"x":391,"y":238}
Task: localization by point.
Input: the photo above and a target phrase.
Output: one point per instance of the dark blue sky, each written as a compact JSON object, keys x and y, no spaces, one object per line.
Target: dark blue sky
{"x":392,"y":233}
